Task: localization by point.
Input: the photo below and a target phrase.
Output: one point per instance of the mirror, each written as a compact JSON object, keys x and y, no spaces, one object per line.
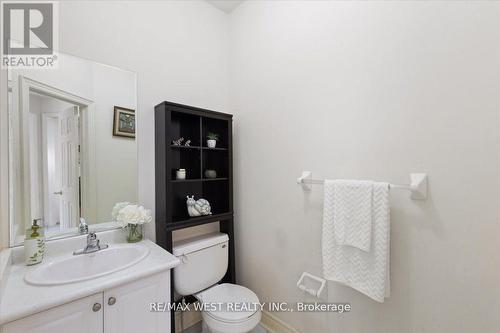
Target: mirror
{"x":72,"y":147}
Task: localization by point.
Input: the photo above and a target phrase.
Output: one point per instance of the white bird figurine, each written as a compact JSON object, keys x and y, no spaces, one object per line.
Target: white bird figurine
{"x":198,"y":207}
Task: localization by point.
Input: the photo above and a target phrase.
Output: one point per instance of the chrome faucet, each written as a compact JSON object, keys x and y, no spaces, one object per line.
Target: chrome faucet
{"x":92,"y":245}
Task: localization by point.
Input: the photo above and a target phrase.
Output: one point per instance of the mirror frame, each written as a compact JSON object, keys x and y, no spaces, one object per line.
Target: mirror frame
{"x":26,"y":85}
{"x":4,"y":160}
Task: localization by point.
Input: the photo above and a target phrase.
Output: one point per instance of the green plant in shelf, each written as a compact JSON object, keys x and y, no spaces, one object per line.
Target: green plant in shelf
{"x":212,"y":139}
{"x":212,"y":136}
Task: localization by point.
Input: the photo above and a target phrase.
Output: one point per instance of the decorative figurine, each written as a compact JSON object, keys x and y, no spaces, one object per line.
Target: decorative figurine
{"x":188,"y":143}
{"x":177,"y":142}
{"x":197,"y":207}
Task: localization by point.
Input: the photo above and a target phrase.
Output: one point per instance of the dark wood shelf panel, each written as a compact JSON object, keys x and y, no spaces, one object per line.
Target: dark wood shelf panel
{"x":198,"y":180}
{"x":214,"y":179}
{"x":185,"y":147}
{"x":194,"y":221}
{"x":216,"y":148}
{"x":185,"y":180}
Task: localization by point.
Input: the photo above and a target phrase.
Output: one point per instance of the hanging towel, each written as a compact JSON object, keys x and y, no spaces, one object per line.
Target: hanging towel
{"x":349,"y":204}
{"x":367,"y":272}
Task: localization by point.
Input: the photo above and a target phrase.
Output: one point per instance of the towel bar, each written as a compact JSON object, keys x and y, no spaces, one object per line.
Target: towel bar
{"x":417,"y":186}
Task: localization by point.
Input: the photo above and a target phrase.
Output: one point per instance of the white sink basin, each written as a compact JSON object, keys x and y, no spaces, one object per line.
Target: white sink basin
{"x":70,"y":269}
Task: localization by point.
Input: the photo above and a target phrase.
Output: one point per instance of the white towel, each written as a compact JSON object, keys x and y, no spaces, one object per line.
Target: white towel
{"x":349,"y":204}
{"x":367,"y":272}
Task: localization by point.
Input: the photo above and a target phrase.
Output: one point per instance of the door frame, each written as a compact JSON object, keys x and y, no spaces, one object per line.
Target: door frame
{"x":87,"y":135}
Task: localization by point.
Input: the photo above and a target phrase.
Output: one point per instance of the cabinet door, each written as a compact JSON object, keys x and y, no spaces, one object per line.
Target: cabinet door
{"x":82,"y":316}
{"x":127,"y":308}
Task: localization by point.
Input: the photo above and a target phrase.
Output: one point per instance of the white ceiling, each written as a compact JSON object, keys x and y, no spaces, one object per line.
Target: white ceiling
{"x":226,"y":5}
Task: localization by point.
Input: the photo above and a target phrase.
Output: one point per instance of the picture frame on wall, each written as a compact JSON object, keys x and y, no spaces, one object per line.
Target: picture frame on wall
{"x":124,"y":122}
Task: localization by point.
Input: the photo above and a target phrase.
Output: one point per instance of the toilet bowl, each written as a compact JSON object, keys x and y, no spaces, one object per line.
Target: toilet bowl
{"x":226,"y":307}
{"x":237,"y":308}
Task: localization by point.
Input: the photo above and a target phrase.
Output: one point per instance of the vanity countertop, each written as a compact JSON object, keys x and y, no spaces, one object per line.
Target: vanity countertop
{"x":20,"y":299}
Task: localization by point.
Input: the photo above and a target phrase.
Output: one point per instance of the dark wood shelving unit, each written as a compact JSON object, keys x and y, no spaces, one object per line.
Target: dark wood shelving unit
{"x":173,"y":121}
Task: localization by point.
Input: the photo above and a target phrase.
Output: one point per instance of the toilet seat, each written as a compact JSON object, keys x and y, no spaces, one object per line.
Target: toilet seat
{"x":240,"y":303}
{"x":220,"y":318}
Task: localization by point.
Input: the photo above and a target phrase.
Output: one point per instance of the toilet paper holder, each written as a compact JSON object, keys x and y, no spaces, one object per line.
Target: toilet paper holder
{"x":311,"y":284}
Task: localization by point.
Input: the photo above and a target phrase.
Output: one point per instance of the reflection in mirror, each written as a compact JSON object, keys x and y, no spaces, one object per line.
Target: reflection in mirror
{"x":66,"y":165}
{"x":54,"y":162}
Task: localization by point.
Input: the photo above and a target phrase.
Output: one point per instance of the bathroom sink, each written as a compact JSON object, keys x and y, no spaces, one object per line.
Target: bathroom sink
{"x":76,"y":268}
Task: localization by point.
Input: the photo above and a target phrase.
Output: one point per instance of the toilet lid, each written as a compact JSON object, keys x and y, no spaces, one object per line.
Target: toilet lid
{"x":230,"y":302}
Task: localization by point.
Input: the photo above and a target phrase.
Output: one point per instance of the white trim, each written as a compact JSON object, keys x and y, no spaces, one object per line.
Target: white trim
{"x":88,"y":163}
{"x":45,"y":89}
{"x":5,"y":263}
{"x":275,"y":325}
{"x":269,"y":322}
{"x":4,"y":160}
{"x":25,"y":183}
{"x":191,"y":318}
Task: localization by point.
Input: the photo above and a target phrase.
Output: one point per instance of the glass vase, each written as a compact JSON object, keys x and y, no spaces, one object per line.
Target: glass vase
{"x":134,"y":233}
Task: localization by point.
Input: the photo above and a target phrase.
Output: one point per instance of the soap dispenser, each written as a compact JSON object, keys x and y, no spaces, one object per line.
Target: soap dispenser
{"x":34,"y":244}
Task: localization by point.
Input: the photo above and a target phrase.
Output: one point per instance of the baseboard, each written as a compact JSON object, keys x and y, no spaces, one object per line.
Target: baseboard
{"x":269,"y":322}
{"x":190,"y":318}
{"x":275,"y":325}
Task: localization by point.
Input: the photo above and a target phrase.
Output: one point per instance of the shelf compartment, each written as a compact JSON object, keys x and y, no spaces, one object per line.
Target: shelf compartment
{"x":218,"y":126}
{"x":215,"y":160}
{"x":186,"y":126}
{"x":216,"y":192}
{"x":188,"y":159}
{"x":179,"y":196}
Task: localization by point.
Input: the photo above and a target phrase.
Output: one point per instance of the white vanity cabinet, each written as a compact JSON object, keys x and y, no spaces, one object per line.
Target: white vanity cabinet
{"x":123,"y":309}
{"x":127,"y":307}
{"x":74,"y":317}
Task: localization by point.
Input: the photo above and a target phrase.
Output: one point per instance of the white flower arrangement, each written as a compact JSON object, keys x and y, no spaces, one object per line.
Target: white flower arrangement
{"x":133,"y":214}
{"x":116,"y":209}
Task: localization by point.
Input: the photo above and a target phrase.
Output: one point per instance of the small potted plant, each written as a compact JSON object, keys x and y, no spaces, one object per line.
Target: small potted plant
{"x":212,"y":139}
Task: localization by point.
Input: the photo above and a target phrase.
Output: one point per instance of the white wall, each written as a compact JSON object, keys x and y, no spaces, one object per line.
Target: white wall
{"x":177,"y":48}
{"x":115,"y":157}
{"x":371,"y":90}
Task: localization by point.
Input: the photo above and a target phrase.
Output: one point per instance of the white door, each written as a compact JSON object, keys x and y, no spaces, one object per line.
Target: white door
{"x":81,"y":316}
{"x":127,"y":308}
{"x":51,"y":180}
{"x":69,"y":146}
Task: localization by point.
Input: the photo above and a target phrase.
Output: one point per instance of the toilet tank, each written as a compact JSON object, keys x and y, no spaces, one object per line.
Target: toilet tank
{"x":204,"y":261}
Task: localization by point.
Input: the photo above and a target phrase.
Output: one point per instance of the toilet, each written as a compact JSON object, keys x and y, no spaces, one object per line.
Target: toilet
{"x":226,"y":308}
